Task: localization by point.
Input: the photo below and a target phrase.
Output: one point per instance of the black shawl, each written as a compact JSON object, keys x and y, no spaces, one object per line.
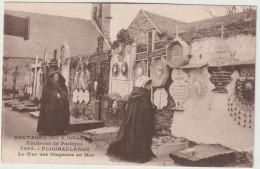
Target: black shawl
{"x":54,"y":111}
{"x":134,"y":139}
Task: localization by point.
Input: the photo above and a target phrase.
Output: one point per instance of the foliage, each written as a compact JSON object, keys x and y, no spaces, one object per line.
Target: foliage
{"x":162,"y":34}
{"x":123,"y":38}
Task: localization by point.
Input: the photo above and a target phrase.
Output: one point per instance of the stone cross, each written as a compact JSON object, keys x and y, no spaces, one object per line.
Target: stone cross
{"x":177,"y":31}
{"x":35,"y":66}
{"x":222,"y":31}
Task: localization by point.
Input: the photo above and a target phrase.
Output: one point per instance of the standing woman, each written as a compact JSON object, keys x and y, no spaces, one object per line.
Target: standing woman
{"x":54,"y":110}
{"x":134,"y":139}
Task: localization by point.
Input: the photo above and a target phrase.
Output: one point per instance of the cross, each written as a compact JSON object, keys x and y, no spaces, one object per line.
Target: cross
{"x":222,"y":31}
{"x":97,"y":58}
{"x":45,"y":55}
{"x":177,"y":31}
{"x":35,"y":66}
{"x":151,"y":53}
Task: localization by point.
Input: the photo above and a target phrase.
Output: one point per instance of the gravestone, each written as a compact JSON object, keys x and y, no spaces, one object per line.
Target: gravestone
{"x":65,"y":62}
{"x":220,"y":65}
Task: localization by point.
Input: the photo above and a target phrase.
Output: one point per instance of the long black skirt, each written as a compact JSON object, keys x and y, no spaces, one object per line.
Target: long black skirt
{"x":134,"y":139}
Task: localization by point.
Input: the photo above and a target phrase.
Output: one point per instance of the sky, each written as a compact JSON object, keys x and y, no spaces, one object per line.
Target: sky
{"x":122,"y":14}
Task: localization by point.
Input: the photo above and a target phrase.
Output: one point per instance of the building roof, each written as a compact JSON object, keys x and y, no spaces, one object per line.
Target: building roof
{"x":162,"y":23}
{"x":49,"y":31}
{"x":237,"y":23}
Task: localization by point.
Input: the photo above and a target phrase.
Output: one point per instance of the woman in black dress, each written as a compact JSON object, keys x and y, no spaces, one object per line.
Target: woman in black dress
{"x":134,"y":139}
{"x":54,"y":110}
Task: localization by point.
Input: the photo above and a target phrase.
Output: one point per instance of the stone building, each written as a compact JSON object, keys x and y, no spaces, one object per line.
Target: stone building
{"x":205,"y":93}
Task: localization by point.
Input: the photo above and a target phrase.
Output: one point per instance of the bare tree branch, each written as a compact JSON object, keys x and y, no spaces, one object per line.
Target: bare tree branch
{"x":209,"y":12}
{"x":230,"y":9}
{"x":248,"y":8}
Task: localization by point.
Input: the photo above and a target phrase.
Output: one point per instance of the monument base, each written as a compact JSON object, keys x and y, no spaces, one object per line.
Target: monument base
{"x":178,"y":108}
{"x":203,"y":156}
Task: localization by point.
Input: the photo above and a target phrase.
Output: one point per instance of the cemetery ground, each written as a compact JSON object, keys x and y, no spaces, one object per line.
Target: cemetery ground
{"x":16,"y":125}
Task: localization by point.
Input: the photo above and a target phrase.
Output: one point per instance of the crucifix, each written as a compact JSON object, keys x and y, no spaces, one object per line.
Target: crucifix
{"x":151,"y":53}
{"x":35,"y":67}
{"x":97,"y":59}
{"x":222,"y":31}
{"x":176,"y":32}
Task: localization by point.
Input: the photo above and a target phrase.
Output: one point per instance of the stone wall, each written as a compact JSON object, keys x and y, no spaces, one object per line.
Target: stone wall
{"x":9,"y":65}
{"x":206,"y":118}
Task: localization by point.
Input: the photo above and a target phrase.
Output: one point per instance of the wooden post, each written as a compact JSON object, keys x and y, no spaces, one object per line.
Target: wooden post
{"x":35,"y":76}
{"x":97,"y":110}
{"x":14,"y":80}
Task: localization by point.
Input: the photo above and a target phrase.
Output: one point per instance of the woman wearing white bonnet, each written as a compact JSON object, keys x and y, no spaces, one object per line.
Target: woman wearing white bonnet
{"x":143,"y":81}
{"x":134,"y":139}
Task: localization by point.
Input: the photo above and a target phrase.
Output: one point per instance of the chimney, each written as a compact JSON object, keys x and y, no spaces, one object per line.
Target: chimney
{"x":101,"y":15}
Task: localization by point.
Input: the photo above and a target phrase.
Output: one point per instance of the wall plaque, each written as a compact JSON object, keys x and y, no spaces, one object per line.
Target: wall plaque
{"x":179,"y":91}
{"x":222,"y":56}
{"x":139,"y":69}
{"x":159,"y":72}
{"x":220,"y":77}
{"x":160,"y":98}
{"x":177,"y":53}
{"x":179,"y":88}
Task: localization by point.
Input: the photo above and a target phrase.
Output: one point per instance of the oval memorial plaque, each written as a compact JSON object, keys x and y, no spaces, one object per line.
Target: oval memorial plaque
{"x":159,"y":73}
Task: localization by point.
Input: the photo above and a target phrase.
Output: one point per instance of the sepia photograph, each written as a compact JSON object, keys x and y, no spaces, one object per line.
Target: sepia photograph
{"x":128,"y":84}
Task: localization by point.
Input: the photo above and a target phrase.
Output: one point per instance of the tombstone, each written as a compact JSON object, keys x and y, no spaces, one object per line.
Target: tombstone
{"x":35,"y":68}
{"x":38,"y":80}
{"x":39,"y":84}
{"x":29,"y":81}
{"x":65,"y":62}
{"x":179,"y":88}
{"x":121,"y":79}
{"x":177,"y":52}
{"x":220,"y":66}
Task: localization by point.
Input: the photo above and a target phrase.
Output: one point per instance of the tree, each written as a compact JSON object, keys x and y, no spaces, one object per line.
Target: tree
{"x":248,"y":8}
{"x":231,"y":9}
{"x":209,"y":11}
